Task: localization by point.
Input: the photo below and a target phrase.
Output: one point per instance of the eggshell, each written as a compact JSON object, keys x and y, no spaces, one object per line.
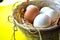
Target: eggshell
{"x":31,"y":12}
{"x":42,"y":20}
{"x":50,"y":12}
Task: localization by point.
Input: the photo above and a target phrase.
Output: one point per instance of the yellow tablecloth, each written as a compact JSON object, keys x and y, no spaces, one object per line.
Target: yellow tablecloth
{"x":6,"y":28}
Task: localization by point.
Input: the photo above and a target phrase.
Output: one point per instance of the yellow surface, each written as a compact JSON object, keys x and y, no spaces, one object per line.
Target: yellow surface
{"x":6,"y":28}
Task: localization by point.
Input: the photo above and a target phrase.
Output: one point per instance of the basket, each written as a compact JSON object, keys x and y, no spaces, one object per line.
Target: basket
{"x":49,"y":33}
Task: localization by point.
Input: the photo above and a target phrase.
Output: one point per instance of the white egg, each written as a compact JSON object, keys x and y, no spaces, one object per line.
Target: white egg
{"x":50,"y":12}
{"x":42,"y":20}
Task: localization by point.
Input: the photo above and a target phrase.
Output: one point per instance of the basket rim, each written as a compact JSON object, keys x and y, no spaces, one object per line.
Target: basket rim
{"x":27,"y":28}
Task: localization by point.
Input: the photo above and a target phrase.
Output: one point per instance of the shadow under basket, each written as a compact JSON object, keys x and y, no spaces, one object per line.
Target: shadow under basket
{"x":49,"y":33}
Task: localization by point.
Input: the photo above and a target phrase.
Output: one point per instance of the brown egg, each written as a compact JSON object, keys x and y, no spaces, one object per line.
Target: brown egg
{"x":31,"y":12}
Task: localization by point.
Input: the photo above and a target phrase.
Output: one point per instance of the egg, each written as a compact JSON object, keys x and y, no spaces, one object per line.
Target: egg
{"x":50,"y":12}
{"x":42,"y":20}
{"x":31,"y":12}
